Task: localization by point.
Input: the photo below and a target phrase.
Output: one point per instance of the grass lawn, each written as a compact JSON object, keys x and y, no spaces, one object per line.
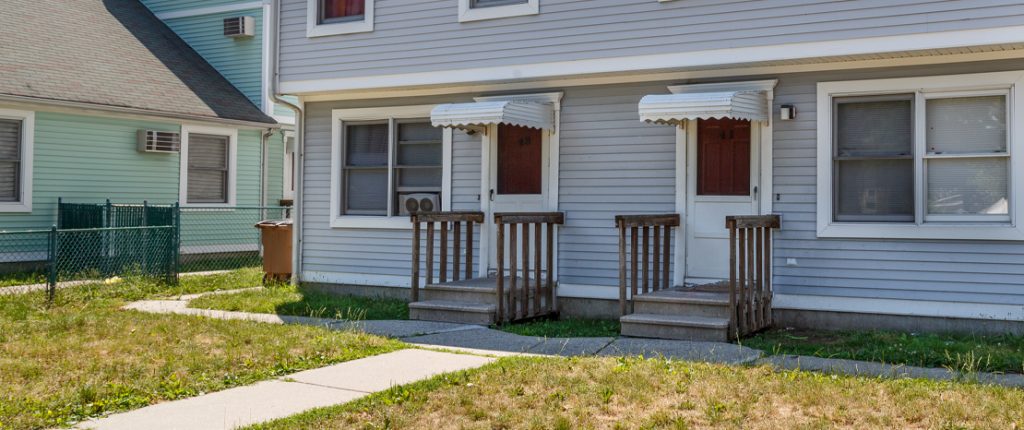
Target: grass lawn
{"x":551,"y":393}
{"x":22,"y":278}
{"x":565,"y":328}
{"x":968,"y":353}
{"x":84,"y":356}
{"x":285,"y":299}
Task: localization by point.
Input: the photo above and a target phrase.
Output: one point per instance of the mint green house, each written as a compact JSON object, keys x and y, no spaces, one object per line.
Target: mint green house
{"x":164,"y":103}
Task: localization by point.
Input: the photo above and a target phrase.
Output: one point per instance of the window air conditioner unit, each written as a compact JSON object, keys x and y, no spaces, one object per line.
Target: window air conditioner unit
{"x":416,"y":203}
{"x":159,"y":141}
{"x":240,"y":26}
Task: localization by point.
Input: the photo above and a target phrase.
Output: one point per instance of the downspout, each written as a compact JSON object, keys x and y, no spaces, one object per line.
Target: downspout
{"x":264,"y":172}
{"x":275,"y":43}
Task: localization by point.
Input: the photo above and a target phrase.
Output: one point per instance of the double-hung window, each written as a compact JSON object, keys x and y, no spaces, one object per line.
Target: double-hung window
{"x":381,"y":159}
{"x":927,"y":158}
{"x":333,"y":17}
{"x":16,"y":160}
{"x":477,"y":10}
{"x":208,"y":163}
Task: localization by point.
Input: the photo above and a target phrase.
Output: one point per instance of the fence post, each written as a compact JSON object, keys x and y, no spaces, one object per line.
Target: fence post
{"x":177,"y":241}
{"x":51,"y":256}
{"x":60,"y":207}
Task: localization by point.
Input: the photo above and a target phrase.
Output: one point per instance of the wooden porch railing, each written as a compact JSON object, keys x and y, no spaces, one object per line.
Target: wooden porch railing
{"x":660,"y":246}
{"x":455,"y":221}
{"x":518,"y":303}
{"x":750,"y":272}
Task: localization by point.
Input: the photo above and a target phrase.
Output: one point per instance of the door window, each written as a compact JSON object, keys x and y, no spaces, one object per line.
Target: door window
{"x":519,"y":160}
{"x":723,"y":157}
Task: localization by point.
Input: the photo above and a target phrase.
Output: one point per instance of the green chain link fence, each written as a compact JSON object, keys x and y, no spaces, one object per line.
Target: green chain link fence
{"x":98,"y":241}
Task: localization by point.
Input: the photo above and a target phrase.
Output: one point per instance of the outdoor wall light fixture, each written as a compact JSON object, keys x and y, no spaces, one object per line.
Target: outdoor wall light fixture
{"x":787,"y":112}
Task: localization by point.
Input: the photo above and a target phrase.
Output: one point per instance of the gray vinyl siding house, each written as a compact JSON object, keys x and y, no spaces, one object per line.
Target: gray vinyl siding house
{"x":601,"y":58}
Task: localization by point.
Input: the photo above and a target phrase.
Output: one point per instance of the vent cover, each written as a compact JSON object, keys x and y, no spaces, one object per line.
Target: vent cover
{"x":240,"y":26}
{"x":415,"y":203}
{"x":159,"y":141}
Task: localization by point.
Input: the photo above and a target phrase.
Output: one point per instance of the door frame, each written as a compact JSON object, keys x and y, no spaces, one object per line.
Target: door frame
{"x":551,"y":140}
{"x":691,"y":182}
{"x":764,"y":142}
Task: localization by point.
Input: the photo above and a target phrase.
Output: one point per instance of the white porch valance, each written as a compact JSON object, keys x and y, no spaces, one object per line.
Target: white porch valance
{"x":477,"y":116}
{"x":675,"y":108}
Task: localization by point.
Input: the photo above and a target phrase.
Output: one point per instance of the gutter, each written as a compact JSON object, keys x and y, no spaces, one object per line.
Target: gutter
{"x":273,"y":32}
{"x":149,"y":114}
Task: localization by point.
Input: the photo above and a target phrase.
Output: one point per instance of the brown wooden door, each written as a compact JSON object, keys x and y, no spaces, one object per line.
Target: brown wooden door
{"x":723,"y":157}
{"x":520,"y":159}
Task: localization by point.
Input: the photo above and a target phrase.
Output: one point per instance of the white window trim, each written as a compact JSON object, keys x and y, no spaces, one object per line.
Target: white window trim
{"x":467,"y":13}
{"x":232,"y":134}
{"x":28,"y":127}
{"x":315,"y":29}
{"x":923,"y":86}
{"x":388,"y":222}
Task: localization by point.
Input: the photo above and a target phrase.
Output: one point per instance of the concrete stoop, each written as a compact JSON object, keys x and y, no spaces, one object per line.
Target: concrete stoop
{"x":679,"y":314}
{"x":472,"y":301}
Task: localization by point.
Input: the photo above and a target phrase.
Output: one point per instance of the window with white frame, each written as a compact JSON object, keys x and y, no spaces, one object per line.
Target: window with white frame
{"x":208,"y":166}
{"x":477,"y":10}
{"x":919,"y":158}
{"x":333,"y":17}
{"x":16,"y":129}
{"x":383,"y":159}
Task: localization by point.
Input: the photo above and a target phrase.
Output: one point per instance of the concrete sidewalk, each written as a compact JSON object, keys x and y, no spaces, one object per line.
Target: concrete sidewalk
{"x":283,"y":397}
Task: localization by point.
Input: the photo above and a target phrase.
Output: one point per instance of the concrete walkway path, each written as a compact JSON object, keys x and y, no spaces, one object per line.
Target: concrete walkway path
{"x":283,"y":397}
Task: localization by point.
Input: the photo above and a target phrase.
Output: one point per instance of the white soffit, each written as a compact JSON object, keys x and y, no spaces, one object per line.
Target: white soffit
{"x":479,"y":115}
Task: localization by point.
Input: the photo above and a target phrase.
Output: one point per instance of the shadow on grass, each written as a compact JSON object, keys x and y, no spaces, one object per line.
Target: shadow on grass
{"x":305,"y":301}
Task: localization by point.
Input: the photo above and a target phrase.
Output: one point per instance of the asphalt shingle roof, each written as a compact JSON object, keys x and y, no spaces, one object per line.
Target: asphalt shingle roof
{"x":113,"y":53}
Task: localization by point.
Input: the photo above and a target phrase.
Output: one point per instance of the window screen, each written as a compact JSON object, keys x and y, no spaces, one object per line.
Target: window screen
{"x":342,"y":10}
{"x":208,"y":166}
{"x":418,"y":164}
{"x":489,"y":3}
{"x":967,"y":162}
{"x":10,"y":160}
{"x":365,"y":169}
{"x":874,"y":161}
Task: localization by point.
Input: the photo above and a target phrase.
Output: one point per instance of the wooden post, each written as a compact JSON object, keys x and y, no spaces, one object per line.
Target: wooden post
{"x":513,"y":271}
{"x":524,"y":292}
{"x":501,"y":269}
{"x":751,"y":264}
{"x":457,"y":250}
{"x":469,"y":250}
{"x":656,"y":259}
{"x":733,"y":323}
{"x":538,"y":241}
{"x":741,"y":300}
{"x":632,"y":261}
{"x":415,"y":259}
{"x":667,"y":255}
{"x":646,"y":264}
{"x":550,"y":255}
{"x":622,"y":266}
{"x":444,"y":252}
{"x":430,"y":252}
{"x":766,"y":252}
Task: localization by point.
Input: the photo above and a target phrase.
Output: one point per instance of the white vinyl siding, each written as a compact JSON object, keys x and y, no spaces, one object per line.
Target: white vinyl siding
{"x":208,"y":168}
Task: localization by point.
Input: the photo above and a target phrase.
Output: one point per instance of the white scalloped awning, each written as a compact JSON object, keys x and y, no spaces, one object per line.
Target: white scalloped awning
{"x":478,"y":115}
{"x":675,"y":108}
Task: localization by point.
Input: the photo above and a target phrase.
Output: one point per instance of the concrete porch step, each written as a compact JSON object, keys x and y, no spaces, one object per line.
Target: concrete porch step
{"x":453,"y":311}
{"x":679,"y":327}
{"x":683,"y":301}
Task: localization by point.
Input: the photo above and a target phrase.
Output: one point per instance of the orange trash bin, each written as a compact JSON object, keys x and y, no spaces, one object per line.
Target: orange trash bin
{"x":276,"y":237}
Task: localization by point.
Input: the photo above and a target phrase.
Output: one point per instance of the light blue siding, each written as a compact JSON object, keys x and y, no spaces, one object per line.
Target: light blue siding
{"x":240,"y":60}
{"x":87,"y":159}
{"x":953,"y":271}
{"x":421,"y":36}
{"x":161,"y":6}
